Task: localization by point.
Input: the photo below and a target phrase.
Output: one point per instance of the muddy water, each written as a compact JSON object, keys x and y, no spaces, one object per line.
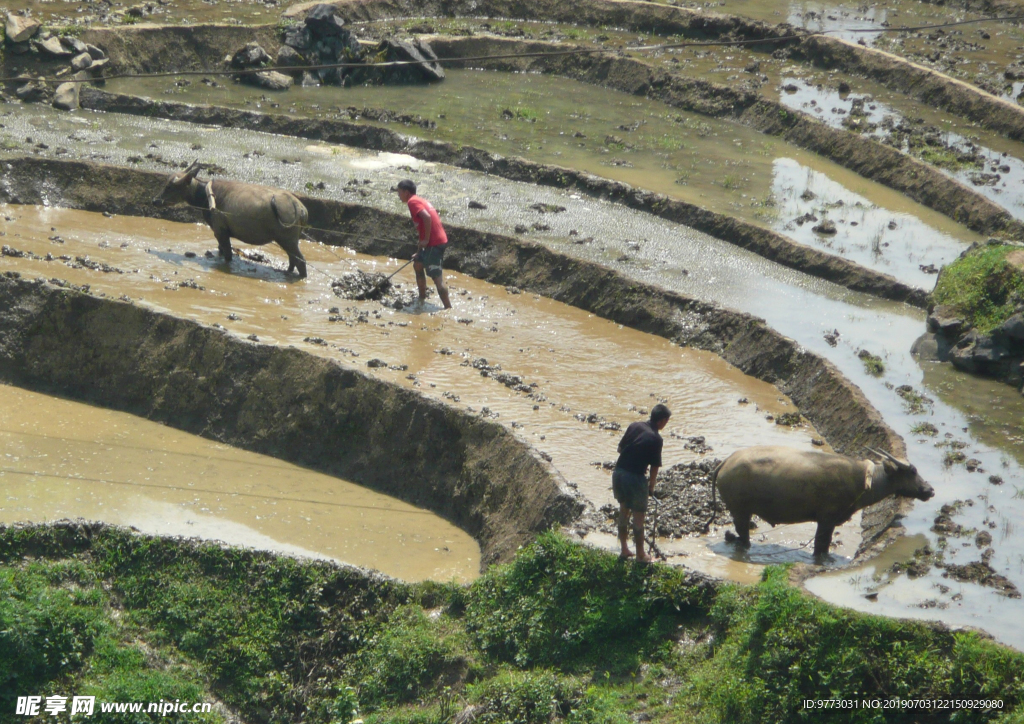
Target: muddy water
{"x":715,"y":164}
{"x":546,"y":343}
{"x":64,"y":459}
{"x":1001,"y":177}
{"x":637,"y":246}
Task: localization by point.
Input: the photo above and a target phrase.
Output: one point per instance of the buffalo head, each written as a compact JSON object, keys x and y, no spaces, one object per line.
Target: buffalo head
{"x":177,"y":188}
{"x":905,"y":480}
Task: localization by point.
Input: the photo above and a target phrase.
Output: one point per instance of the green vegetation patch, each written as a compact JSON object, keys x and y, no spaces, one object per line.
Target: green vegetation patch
{"x":982,"y":287}
{"x":563,"y":634}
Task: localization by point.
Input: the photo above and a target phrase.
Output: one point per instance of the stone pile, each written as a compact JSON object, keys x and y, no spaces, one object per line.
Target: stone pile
{"x":323,"y":39}
{"x":25,"y":36}
{"x":252,"y":57}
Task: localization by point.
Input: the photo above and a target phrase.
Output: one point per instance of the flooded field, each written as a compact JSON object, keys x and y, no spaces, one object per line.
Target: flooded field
{"x":64,"y":459}
{"x":715,"y":164}
{"x":574,"y":418}
{"x":571,"y":403}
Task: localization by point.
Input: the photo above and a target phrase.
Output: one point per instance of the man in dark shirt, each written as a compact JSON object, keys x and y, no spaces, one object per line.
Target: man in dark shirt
{"x":639,"y":448}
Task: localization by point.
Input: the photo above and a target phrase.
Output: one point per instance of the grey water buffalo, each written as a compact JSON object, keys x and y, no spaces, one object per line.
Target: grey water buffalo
{"x":783,"y":485}
{"x":253,"y":214}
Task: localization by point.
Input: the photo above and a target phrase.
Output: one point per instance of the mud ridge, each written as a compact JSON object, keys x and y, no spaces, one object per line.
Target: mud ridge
{"x":835,"y":406}
{"x":282,"y":402}
{"x":763,"y":242}
{"x":896,"y":73}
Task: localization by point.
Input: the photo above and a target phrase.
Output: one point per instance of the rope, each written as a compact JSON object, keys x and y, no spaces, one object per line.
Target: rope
{"x":801,"y":34}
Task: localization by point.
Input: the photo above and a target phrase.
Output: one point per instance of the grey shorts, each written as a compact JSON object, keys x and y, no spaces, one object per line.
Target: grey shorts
{"x":630,"y":490}
{"x":431,"y":258}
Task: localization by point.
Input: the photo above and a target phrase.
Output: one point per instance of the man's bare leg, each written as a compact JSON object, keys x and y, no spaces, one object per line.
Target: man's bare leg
{"x":442,"y":291}
{"x":421,"y":280}
{"x":624,"y":532}
{"x":638,"y":538}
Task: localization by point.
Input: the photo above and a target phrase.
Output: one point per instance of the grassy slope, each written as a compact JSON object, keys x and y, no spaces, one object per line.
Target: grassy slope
{"x":982,"y":287}
{"x":563,"y":633}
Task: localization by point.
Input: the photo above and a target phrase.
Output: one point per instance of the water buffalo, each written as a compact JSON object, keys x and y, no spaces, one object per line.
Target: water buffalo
{"x":254,"y":214}
{"x":783,"y":485}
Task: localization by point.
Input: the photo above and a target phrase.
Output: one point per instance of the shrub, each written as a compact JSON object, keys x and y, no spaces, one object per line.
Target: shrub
{"x":559,"y":603}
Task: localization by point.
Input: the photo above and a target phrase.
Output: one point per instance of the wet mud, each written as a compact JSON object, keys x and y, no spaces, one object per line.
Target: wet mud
{"x":761,"y":241}
{"x":923,"y":83}
{"x":717,"y":165}
{"x":741,"y":339}
{"x":280,"y":402}
{"x":862,"y":155}
{"x":65,"y":459}
{"x":502,"y":354}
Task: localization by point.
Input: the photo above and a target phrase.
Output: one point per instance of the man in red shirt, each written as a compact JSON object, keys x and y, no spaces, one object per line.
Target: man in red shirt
{"x":431,"y":244}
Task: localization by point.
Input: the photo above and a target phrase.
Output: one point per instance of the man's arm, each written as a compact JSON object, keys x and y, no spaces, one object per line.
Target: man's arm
{"x":427,"y":223}
{"x":654,"y":478}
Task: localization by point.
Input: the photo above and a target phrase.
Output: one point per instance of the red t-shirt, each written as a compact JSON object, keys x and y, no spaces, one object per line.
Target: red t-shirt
{"x":437,"y":235}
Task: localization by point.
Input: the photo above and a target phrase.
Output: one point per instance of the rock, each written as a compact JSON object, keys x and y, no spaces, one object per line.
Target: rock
{"x":66,"y":96}
{"x":289,"y":56}
{"x":419,"y":51}
{"x":96,"y":53}
{"x":19,"y":28}
{"x":81,"y":61}
{"x":75,"y":45}
{"x":21,"y":48}
{"x":477,"y":205}
{"x":844,"y":87}
{"x":825,"y":228}
{"x":34,"y":92}
{"x":945,"y":321}
{"x":323,"y":21}
{"x":54,"y":48}
{"x":752,"y":67}
{"x":1012,"y":330}
{"x":931,"y":347}
{"x":976,"y":352}
{"x":271,"y":80}
{"x":251,"y":56}
{"x":298,"y":37}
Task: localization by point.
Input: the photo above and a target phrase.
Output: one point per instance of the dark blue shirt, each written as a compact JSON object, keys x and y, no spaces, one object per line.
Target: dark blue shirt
{"x":640,"y":447}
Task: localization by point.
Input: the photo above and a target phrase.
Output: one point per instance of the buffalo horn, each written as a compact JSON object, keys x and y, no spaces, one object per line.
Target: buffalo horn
{"x":880,"y":453}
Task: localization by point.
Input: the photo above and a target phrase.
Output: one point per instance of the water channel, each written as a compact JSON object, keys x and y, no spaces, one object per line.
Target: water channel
{"x":659,"y":252}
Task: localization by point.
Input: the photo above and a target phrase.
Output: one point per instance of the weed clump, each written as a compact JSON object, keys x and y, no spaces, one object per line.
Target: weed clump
{"x":873,"y":364}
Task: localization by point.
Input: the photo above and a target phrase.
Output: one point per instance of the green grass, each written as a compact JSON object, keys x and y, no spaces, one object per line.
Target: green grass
{"x":562,"y":634}
{"x":924,"y":428}
{"x":873,"y":364}
{"x":982,"y":287}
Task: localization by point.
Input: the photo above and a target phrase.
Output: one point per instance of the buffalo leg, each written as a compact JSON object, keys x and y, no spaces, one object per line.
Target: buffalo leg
{"x":823,"y":539}
{"x":295,"y":258}
{"x":224,"y":244}
{"x":742,"y":523}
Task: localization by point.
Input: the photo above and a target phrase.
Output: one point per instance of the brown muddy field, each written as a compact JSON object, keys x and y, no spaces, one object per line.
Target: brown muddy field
{"x":864,"y":159}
